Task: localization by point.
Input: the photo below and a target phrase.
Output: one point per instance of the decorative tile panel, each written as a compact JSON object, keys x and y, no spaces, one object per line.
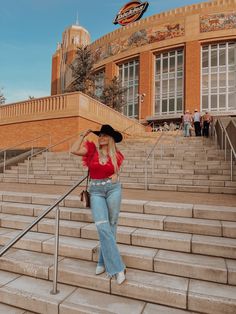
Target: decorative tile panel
{"x":138,"y":39}
{"x":217,"y":22}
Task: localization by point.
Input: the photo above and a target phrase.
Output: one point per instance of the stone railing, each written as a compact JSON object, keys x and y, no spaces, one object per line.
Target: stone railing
{"x":93,"y":110}
{"x":67,"y":105}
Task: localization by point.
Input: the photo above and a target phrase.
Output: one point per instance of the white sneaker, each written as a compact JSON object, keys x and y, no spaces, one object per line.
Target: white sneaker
{"x":120,"y":277}
{"x":99,"y":270}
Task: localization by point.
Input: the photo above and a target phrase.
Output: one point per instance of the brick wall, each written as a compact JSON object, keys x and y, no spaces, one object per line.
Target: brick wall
{"x":192,"y":75}
{"x":59,"y":129}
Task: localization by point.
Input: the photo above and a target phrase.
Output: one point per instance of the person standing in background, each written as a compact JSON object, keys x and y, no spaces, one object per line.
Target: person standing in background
{"x":187,"y":119}
{"x":197,"y":122}
{"x":206,"y":122}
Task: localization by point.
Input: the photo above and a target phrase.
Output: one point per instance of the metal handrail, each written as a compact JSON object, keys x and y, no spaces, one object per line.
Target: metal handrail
{"x":58,"y":143}
{"x":10,"y":147}
{"x":169,"y":146}
{"x":22,"y":143}
{"x":147,"y":158}
{"x":152,"y":151}
{"x":35,"y":222}
{"x":232,"y":150}
{"x":130,"y":126}
{"x":215,"y":132}
{"x":46,"y":150}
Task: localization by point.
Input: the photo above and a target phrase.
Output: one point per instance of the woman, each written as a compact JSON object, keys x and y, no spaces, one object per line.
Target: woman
{"x":105,"y":194}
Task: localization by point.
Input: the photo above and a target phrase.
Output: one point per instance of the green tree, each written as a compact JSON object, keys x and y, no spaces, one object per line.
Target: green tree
{"x":2,"y":98}
{"x":113,"y":94}
{"x":82,"y":75}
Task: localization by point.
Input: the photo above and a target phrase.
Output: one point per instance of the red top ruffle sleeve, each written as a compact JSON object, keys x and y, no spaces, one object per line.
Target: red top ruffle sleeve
{"x":97,"y":170}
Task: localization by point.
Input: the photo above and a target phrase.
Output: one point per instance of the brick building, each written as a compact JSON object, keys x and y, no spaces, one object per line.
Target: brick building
{"x":177,"y":60}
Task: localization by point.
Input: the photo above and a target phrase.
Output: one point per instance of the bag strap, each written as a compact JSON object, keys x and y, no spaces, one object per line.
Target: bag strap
{"x":88,"y":175}
{"x":87,"y":180}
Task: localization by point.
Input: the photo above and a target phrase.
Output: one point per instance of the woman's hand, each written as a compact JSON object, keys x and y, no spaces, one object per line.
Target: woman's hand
{"x":76,"y":148}
{"x":85,"y":133}
{"x":114,"y":178}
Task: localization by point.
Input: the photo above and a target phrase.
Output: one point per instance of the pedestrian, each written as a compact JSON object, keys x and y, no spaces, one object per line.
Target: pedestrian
{"x":197,"y":122}
{"x":103,"y":162}
{"x":206,"y":122}
{"x":187,"y":119}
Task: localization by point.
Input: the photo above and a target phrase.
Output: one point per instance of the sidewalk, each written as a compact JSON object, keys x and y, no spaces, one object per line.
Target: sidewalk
{"x":161,"y":196}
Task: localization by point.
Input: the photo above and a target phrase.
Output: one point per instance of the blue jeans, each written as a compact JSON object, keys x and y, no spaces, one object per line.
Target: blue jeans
{"x":105,"y":204}
{"x":186,"y":129}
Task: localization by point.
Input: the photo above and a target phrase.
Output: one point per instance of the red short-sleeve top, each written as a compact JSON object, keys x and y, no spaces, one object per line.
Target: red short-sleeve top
{"x":96,"y":169}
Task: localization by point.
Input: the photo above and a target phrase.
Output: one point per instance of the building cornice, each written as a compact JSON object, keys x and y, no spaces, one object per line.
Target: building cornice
{"x":175,"y":13}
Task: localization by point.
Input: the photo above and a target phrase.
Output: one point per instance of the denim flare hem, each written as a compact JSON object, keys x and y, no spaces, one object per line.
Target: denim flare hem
{"x":105,"y":206}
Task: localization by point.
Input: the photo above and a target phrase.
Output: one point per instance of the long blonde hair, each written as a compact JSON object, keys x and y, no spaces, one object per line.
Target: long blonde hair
{"x":112,"y":150}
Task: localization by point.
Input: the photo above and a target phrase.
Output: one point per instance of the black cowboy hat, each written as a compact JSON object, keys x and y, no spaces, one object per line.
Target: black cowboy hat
{"x":108,"y":130}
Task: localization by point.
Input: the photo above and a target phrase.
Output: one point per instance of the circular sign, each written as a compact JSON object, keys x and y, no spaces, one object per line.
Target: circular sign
{"x":130,"y":12}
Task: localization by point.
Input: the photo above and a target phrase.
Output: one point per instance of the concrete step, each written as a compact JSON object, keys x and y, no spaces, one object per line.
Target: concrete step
{"x":136,"y":178}
{"x":7,"y":309}
{"x":183,"y":242}
{"x":146,"y":286}
{"x":35,"y":203}
{"x":140,"y":255}
{"x":38,"y":264}
{"x":83,"y":218}
{"x":34,"y":295}
{"x":194,"y":266}
{"x":182,"y":188}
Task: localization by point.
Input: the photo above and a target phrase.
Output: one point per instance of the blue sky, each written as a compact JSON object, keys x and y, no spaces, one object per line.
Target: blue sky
{"x":30,"y":30}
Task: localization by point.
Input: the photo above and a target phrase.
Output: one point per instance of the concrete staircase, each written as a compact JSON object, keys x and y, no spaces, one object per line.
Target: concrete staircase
{"x":181,"y":258}
{"x":180,"y":164}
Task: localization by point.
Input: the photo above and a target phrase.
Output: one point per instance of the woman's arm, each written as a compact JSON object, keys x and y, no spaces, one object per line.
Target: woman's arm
{"x":76,"y":148}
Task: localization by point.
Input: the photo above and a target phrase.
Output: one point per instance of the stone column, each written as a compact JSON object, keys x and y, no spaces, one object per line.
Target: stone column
{"x":111,"y":70}
{"x":192,"y":75}
{"x":146,"y":78}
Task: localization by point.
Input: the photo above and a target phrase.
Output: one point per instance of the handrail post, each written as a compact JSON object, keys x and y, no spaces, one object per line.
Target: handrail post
{"x":32,"y":151}
{"x":55,"y":268}
{"x":4,"y":161}
{"x":225,"y":147}
{"x":231,"y":164}
{"x":153,"y":162}
{"x":28,"y":164}
{"x":50,"y":139}
{"x":146,"y":176}
{"x":70,"y":146}
{"x":46,"y":160}
{"x":222,"y":136}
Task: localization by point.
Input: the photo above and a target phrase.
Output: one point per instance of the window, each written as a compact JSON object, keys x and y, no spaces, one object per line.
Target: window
{"x":99,"y":82}
{"x":218,"y":78}
{"x":169,"y":82}
{"x":129,"y":75}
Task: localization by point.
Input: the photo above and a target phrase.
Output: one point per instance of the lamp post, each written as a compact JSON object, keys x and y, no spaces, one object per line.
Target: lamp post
{"x":140,"y":101}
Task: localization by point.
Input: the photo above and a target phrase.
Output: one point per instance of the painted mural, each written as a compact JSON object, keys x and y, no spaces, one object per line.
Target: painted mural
{"x":216,"y":22}
{"x":139,"y":38}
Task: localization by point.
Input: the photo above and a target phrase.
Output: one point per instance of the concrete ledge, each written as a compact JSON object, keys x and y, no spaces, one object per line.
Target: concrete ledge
{"x":211,"y":298}
{"x":156,"y":288}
